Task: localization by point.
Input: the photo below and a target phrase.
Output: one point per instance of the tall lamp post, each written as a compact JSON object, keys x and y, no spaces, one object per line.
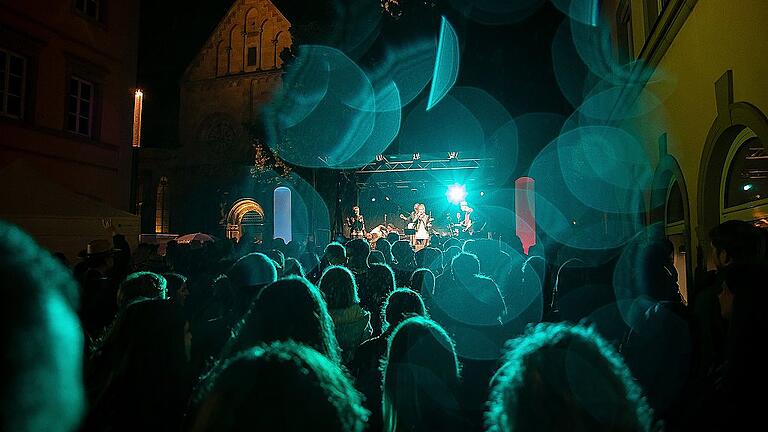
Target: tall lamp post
{"x":138,"y":105}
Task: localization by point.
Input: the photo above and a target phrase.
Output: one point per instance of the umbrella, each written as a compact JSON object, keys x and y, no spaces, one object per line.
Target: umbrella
{"x":200,"y":237}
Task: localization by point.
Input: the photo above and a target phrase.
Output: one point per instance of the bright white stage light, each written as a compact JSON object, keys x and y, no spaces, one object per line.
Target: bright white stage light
{"x":456,"y":193}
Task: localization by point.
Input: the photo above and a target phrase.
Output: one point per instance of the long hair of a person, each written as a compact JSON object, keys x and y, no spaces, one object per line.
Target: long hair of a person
{"x":379,"y":284}
{"x":139,"y":369}
{"x":550,"y":380}
{"x":385,"y":247}
{"x":288,"y":309}
{"x":280,"y":386}
{"x":401,"y":304}
{"x":339,"y":288}
{"x":421,"y":376}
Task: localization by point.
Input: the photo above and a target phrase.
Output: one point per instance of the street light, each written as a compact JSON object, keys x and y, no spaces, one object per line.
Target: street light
{"x":138,"y":104}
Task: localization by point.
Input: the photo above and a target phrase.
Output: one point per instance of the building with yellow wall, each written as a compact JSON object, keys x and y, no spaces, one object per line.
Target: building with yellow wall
{"x":706,"y":139}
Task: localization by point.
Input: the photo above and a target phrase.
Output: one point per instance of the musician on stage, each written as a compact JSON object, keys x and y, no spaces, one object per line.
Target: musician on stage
{"x":423,"y":223}
{"x":464,"y":226}
{"x":467,"y":224}
{"x":356,"y":224}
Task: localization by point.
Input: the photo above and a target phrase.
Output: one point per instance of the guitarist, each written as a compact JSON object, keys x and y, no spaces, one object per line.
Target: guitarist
{"x":467,"y":225}
{"x":356,"y":223}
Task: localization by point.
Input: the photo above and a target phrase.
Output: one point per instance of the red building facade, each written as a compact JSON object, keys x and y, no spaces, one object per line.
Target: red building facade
{"x":68,"y":76}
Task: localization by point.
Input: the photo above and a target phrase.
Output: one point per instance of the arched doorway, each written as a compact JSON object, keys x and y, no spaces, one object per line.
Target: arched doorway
{"x":245,"y":220}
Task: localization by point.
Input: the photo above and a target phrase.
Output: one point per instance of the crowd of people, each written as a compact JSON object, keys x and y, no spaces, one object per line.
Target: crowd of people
{"x":461,"y":335}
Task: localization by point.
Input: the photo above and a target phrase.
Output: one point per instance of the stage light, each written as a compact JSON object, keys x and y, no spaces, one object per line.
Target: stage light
{"x":373,"y":199}
{"x":453,"y":155}
{"x":747,"y":187}
{"x":416,"y":156}
{"x":379,"y":158}
{"x":456,"y":193}
{"x":386,"y":198}
{"x":482,"y":193}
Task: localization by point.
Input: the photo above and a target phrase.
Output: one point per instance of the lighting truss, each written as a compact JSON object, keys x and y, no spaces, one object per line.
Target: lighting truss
{"x":386,"y":166}
{"x":399,"y":172}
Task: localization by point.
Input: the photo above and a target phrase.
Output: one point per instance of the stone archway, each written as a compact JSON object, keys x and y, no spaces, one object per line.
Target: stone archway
{"x":245,"y":218}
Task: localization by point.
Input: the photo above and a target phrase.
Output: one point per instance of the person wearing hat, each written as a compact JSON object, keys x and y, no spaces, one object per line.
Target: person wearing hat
{"x":103,"y":266}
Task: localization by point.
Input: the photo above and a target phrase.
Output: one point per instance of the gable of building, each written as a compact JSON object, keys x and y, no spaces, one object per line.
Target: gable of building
{"x":248,"y":39}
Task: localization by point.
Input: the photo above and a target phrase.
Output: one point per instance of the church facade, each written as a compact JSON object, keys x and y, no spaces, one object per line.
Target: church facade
{"x":206,"y":184}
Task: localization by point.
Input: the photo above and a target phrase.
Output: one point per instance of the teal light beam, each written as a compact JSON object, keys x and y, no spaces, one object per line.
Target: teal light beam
{"x":594,"y":13}
{"x":446,"y":64}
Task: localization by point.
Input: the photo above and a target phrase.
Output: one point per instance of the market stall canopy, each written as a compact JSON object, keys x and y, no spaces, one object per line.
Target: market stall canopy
{"x":58,"y":218}
{"x":200,"y":237}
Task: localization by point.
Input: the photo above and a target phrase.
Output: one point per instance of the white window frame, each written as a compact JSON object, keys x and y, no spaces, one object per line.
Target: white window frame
{"x":77,"y":113}
{"x":6,"y":79}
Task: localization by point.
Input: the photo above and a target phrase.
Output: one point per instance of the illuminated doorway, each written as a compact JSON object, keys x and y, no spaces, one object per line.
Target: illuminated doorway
{"x":245,"y":221}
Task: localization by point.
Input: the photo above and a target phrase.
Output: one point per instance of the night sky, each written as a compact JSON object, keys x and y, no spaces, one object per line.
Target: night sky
{"x":512,"y":62}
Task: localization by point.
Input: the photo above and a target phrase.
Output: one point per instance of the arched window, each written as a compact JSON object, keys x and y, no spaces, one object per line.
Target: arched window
{"x":744,"y":185}
{"x":251,"y":38}
{"x":162,"y":225}
{"x":676,"y":232}
{"x":674,"y":210}
{"x":235,"y":50}
{"x":221,"y":58}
